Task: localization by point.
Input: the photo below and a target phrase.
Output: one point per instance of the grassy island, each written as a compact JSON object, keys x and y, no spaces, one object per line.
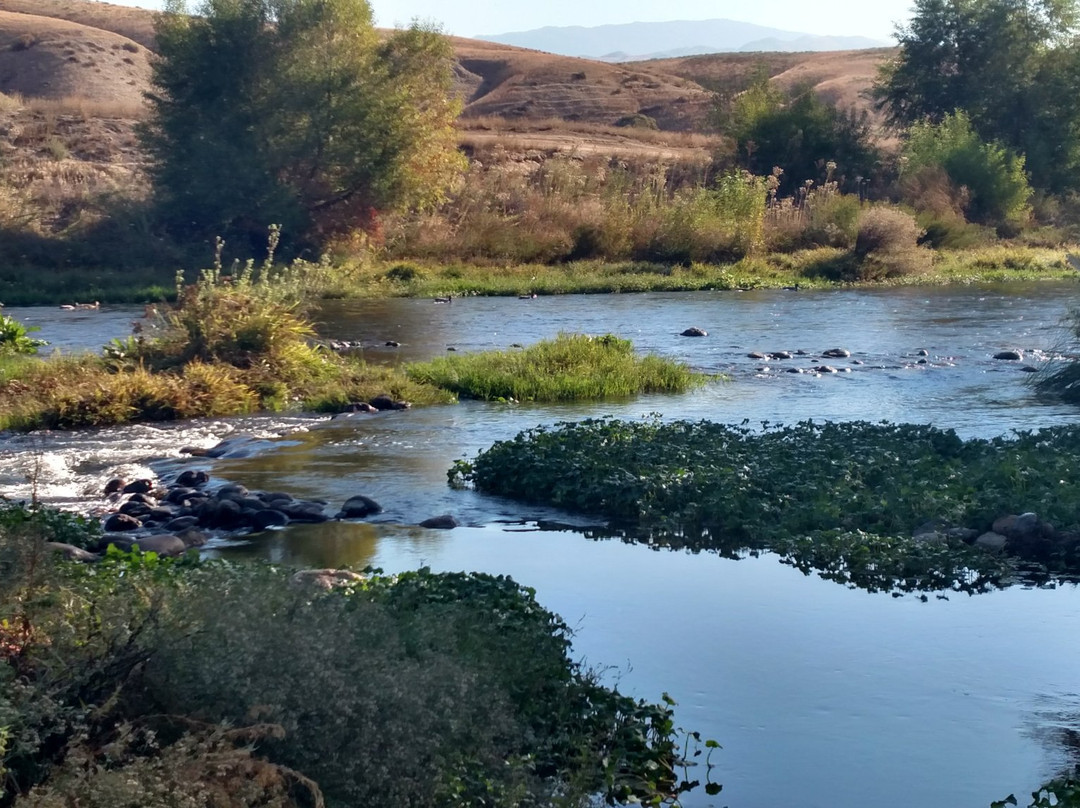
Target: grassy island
{"x":235,"y":345}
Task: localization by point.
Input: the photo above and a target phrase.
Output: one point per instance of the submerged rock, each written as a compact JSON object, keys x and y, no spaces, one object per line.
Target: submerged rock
{"x":192,"y":478}
{"x":694,"y":331}
{"x":358,"y":507}
{"x":138,"y":487}
{"x":836,"y":353}
{"x":385,"y":402}
{"x":1011,"y":356}
{"x":262,"y":520}
{"x":444,"y":522}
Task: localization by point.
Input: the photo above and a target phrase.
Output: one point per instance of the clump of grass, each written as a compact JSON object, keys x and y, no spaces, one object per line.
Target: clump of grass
{"x":1060,"y":378}
{"x":887,"y":245}
{"x":572,"y":367}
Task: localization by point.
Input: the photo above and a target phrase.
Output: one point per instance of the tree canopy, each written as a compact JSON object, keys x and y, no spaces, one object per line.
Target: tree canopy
{"x":805,"y":136}
{"x":1010,"y":65}
{"x":296,"y":112}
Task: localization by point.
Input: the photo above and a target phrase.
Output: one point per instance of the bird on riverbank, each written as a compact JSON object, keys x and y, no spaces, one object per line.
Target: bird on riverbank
{"x":1073,"y":260}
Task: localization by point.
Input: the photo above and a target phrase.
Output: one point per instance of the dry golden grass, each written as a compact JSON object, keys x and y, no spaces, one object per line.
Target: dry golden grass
{"x":515,"y":83}
{"x":86,"y":108}
{"x":43,"y":57}
{"x":137,"y":24}
{"x":842,"y":78}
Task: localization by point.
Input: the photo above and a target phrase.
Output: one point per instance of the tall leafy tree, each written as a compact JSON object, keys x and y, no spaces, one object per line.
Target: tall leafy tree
{"x":1002,"y":62}
{"x":296,"y":112}
{"x":805,"y":136}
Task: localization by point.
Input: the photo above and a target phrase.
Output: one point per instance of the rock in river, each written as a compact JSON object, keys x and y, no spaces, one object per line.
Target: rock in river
{"x":358,"y":507}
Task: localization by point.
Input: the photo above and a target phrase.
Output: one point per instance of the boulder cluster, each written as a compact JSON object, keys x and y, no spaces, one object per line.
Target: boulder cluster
{"x":184,"y":514}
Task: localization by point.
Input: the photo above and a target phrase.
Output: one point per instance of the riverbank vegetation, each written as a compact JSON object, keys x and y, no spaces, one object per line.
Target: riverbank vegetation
{"x":238,"y":344}
{"x":785,"y":189}
{"x":137,"y":681}
{"x":878,"y":506}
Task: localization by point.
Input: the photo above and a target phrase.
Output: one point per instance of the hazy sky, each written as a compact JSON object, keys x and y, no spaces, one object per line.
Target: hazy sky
{"x":873,"y":18}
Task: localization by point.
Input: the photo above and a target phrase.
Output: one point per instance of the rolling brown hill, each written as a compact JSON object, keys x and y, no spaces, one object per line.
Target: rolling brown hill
{"x":515,"y":83}
{"x":136,"y":24}
{"x":73,"y":74}
{"x":44,"y":57}
{"x":842,"y":78}
{"x":68,"y":42}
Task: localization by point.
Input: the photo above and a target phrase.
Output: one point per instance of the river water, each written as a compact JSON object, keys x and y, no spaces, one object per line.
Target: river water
{"x":820,"y":695}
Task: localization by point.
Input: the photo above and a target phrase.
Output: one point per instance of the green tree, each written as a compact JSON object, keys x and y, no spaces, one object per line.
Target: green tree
{"x":1008,"y":64}
{"x":296,"y":112}
{"x":801,"y":135}
{"x":997,"y":189}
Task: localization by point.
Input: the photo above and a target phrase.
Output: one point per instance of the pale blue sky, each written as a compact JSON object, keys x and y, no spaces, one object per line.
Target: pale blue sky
{"x":873,"y":18}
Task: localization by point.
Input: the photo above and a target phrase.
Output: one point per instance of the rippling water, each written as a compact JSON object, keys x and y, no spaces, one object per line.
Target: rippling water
{"x":820,"y":695}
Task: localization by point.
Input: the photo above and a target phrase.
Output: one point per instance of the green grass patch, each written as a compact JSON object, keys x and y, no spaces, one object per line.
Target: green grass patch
{"x":810,"y":268}
{"x":141,"y":681}
{"x":840,"y":498}
{"x":572,"y":367}
{"x":426,"y":278}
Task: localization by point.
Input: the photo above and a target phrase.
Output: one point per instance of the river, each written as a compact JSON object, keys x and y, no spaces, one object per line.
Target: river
{"x":820,"y":695}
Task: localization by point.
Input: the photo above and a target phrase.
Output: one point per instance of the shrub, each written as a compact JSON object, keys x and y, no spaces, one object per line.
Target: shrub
{"x":15,"y":337}
{"x":24,"y":42}
{"x":992,"y":177}
{"x":717,"y":225}
{"x":140,"y":681}
{"x":637,"y":121}
{"x":887,"y":245}
{"x":1060,"y":378}
{"x":404,"y":273}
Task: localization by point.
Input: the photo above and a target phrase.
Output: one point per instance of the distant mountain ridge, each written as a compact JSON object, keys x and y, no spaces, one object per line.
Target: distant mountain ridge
{"x":658,"y":40}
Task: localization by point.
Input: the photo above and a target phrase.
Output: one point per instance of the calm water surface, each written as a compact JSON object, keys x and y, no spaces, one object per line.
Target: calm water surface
{"x":820,"y":695}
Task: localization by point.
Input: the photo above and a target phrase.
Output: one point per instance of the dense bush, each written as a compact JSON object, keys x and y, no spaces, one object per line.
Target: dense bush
{"x":988,"y":181}
{"x":15,"y":337}
{"x":887,"y":245}
{"x":810,"y":139}
{"x":138,"y":681}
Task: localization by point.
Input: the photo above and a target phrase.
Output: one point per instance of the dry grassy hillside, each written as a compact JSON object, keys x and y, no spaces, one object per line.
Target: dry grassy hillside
{"x":508,"y":82}
{"x":73,"y":74}
{"x":42,"y":57}
{"x":840,"y":77}
{"x":137,"y":24}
